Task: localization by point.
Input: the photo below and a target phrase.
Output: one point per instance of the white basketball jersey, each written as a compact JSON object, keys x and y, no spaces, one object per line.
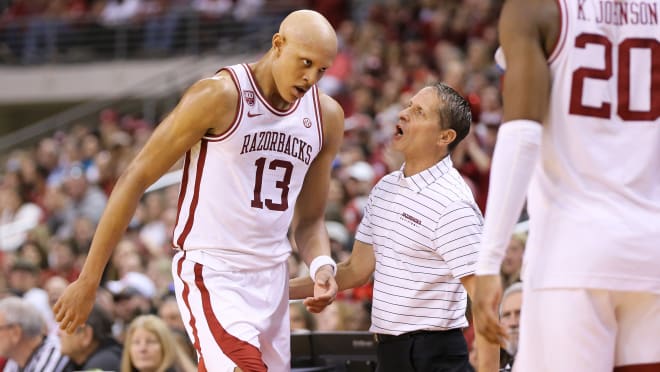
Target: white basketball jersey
{"x":239,"y":188}
{"x":595,"y":198}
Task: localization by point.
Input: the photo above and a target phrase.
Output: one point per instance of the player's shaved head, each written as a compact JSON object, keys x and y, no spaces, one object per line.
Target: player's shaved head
{"x":309,"y":28}
{"x":302,"y":50}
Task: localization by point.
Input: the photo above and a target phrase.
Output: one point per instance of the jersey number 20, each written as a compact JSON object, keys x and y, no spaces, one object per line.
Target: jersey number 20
{"x":623,"y":79}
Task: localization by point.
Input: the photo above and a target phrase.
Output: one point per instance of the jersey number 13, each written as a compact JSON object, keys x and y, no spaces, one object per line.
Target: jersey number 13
{"x":282,"y":184}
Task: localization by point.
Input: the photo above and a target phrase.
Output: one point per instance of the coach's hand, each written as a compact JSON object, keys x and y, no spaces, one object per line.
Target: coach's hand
{"x":73,"y":307}
{"x":486,"y":303}
{"x":325,"y":290}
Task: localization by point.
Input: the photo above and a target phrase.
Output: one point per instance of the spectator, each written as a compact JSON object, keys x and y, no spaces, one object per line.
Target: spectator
{"x":86,"y":199}
{"x":339,"y":240}
{"x":54,"y":288}
{"x":211,"y":13}
{"x":161,"y":21}
{"x":332,"y":318}
{"x":92,"y":346}
{"x":212,"y":8}
{"x":62,"y":260}
{"x":244,"y":10}
{"x":24,"y":338}
{"x":512,"y":262}
{"x":358,"y":315}
{"x":23,"y":281}
{"x":133,"y":296}
{"x":159,"y":270}
{"x":43,"y":29}
{"x":120,"y":12}
{"x":126,"y":258}
{"x":168,"y":311}
{"x":510,"y":319}
{"x":300,"y":319}
{"x":17,"y":216}
{"x":32,"y":252}
{"x":150,"y":346}
{"x":83,"y":231}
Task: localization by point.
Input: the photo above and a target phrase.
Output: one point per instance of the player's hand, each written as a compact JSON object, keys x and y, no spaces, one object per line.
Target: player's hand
{"x":325,"y":290}
{"x":486,"y":303}
{"x":73,"y":307}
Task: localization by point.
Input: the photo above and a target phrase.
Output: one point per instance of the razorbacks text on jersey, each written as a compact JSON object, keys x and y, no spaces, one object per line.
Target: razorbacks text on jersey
{"x":239,"y":188}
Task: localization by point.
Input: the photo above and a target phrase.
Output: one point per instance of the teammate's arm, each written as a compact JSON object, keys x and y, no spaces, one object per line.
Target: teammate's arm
{"x":206,"y":107}
{"x":308,"y":222}
{"x":355,"y":271}
{"x":523,"y":30}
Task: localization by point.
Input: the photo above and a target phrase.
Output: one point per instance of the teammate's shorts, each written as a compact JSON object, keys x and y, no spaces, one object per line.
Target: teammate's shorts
{"x":235,"y":318}
{"x":577,"y":330}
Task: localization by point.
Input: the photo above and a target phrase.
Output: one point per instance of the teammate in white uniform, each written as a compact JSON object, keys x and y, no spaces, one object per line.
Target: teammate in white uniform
{"x":589,"y":71}
{"x":259,"y":141}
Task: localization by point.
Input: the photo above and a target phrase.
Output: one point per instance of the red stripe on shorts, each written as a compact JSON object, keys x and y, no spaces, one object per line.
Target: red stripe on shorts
{"x":193,"y":322}
{"x":651,"y":367}
{"x":246,"y":356}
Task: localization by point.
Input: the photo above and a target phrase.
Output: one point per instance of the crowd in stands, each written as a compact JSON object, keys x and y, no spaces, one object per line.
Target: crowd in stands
{"x":37,"y":31}
{"x":52,"y":194}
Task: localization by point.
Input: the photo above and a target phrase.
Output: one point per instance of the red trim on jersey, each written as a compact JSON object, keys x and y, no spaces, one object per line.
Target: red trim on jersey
{"x":650,"y":367}
{"x":563,"y":31}
{"x":319,"y":115}
{"x":246,"y":356}
{"x":182,"y":192}
{"x":237,"y":115}
{"x":201,"y":158}
{"x":193,"y":322}
{"x":201,"y":366}
{"x":263,"y":100}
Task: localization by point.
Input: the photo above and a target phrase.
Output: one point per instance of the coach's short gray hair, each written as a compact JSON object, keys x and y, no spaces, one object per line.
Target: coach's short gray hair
{"x":513,"y":288}
{"x":22,"y":313}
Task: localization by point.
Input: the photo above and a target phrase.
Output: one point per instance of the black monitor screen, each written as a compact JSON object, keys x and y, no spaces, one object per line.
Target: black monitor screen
{"x":342,"y":351}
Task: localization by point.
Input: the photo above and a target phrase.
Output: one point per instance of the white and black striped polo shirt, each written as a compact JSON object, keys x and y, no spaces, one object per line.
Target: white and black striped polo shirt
{"x":425,"y":230}
{"x":45,"y":358}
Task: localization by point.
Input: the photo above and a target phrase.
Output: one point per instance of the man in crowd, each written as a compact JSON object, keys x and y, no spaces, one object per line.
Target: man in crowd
{"x":23,"y":339}
{"x":92,"y":346}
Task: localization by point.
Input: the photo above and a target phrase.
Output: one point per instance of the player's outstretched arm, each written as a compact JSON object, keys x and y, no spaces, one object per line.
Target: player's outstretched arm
{"x":354,"y":272}
{"x":308,"y":222}
{"x":524,"y":26}
{"x":202,"y":109}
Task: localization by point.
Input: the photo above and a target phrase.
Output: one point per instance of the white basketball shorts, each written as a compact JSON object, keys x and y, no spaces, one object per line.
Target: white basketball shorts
{"x":577,"y":330}
{"x":235,"y":318}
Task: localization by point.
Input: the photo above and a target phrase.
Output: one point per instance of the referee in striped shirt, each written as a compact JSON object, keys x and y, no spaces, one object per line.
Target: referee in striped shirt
{"x":419,"y":238}
{"x":23,"y":339}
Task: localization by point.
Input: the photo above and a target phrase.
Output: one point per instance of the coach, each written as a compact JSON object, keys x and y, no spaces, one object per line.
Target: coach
{"x":419,"y":237}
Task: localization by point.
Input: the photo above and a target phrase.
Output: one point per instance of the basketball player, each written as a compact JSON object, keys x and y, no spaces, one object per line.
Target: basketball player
{"x":259,"y":140}
{"x":582,"y":108}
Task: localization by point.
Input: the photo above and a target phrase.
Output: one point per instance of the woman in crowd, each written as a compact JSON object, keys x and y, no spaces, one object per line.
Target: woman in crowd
{"x":151,"y":347}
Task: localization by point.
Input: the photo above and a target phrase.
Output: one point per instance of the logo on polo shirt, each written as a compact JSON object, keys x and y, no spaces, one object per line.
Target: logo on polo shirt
{"x":410,"y":219}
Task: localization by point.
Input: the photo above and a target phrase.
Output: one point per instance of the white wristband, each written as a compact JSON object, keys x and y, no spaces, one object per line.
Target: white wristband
{"x":321,"y":261}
